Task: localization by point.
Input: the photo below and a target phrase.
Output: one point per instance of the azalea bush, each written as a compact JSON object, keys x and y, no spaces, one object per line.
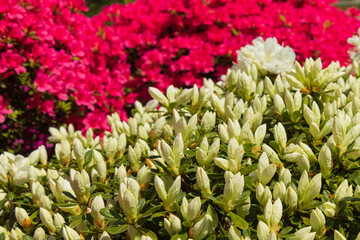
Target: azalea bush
{"x":59,"y":66}
{"x":270,"y":152}
{"x":55,"y":68}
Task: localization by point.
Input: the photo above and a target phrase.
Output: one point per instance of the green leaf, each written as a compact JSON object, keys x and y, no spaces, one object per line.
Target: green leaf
{"x":113,"y":230}
{"x":184,"y":167}
{"x":148,"y":232}
{"x":238,"y":221}
{"x":68,"y":194}
{"x":243,"y":197}
{"x":101,"y":185}
{"x":76,"y":221}
{"x":88,"y":157}
{"x":211,"y":237}
{"x":2,"y":236}
{"x":150,"y":211}
{"x":183,"y":236}
{"x":27,"y":237}
{"x":71,"y":204}
{"x":107,"y":195}
{"x":106,"y":213}
{"x":158,"y":214}
{"x":141,"y":204}
{"x":212,"y":198}
{"x":211,"y":211}
{"x":285,"y":230}
{"x":189,"y":153}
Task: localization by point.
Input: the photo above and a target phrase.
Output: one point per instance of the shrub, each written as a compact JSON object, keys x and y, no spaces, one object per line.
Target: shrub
{"x":55,"y":69}
{"x":270,"y":152}
{"x":59,"y":66}
{"x":172,"y":42}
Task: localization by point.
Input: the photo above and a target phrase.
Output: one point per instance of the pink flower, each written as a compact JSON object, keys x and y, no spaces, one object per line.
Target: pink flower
{"x":4,"y":109}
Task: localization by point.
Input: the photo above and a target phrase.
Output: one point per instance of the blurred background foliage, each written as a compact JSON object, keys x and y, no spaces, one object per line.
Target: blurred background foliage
{"x":95,"y":6}
{"x":348,"y":3}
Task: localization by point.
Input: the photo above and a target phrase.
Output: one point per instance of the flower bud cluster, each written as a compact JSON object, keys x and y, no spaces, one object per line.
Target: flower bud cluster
{"x":262,"y":154}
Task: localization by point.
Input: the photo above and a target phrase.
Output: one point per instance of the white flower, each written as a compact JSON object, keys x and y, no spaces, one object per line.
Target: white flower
{"x":268,"y":56}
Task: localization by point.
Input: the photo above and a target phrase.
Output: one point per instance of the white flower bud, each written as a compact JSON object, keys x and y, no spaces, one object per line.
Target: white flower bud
{"x":329,"y":209}
{"x":16,"y":234}
{"x":338,"y":235}
{"x":110,"y":147}
{"x":56,"y":135}
{"x":309,"y":116}
{"x":65,"y":152}
{"x":265,"y":170}
{"x":342,"y":191}
{"x":190,"y":211}
{"x":172,"y":225}
{"x":120,"y":174}
{"x":203,"y":227}
{"x":101,"y":169}
{"x":121,"y":143}
{"x":70,"y":234}
{"x":291,"y":198}
{"x":303,"y":163}
{"x":128,"y":197}
{"x":279,"y":191}
{"x":262,"y":231}
{"x":143,"y":133}
{"x":279,"y":104}
{"x":22,"y":217}
{"x":159,"y":96}
{"x":33,"y":173}
{"x":202,"y":180}
{"x":144,"y":177}
{"x":45,"y":202}
{"x":59,"y":222}
{"x":3,"y":175}
{"x":37,"y":190}
{"x":263,"y":194}
{"x":338,"y":130}
{"x":134,"y":158}
{"x":34,"y":157}
{"x":160,"y":188}
{"x":313,"y":190}
{"x":274,"y":158}
{"x":52,"y":174}
{"x":280,"y":135}
{"x":96,"y":205}
{"x":79,"y":150}
{"x":218,"y":105}
{"x":304,"y":234}
{"x":234,"y":233}
{"x":325,"y":161}
{"x":80,"y":183}
{"x":47,"y":220}
{"x":133,"y":126}
{"x":39,"y":234}
{"x":223,"y":134}
{"x":105,"y":236}
{"x":208,"y":121}
{"x":232,"y":191}
{"x":317,"y":221}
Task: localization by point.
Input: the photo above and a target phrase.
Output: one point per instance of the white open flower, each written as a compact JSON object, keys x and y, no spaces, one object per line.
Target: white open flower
{"x":268,"y":56}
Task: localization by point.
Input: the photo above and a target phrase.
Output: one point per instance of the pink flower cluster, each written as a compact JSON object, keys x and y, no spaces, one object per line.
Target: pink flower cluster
{"x":180,"y":42}
{"x":67,"y":57}
{"x":98,"y":65}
